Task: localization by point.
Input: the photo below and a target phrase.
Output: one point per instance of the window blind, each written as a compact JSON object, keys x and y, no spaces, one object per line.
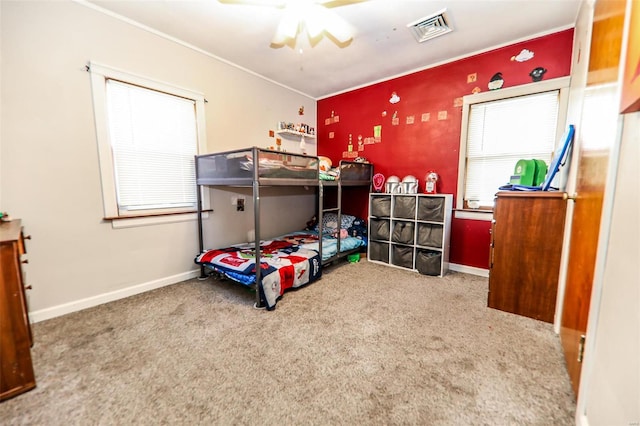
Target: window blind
{"x":502,"y":132}
{"x":153,"y":139}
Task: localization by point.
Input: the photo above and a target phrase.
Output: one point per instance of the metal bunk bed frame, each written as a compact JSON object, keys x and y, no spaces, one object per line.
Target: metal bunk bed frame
{"x":256,"y":181}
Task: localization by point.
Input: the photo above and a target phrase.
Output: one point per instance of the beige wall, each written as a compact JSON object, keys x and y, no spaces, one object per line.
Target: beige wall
{"x":49,"y":173}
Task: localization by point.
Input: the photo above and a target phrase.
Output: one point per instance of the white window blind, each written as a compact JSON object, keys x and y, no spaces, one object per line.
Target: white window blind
{"x":502,"y":132}
{"x":153,"y":137}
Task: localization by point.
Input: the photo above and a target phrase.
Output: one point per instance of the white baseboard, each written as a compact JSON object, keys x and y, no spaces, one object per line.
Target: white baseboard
{"x":469,"y":270}
{"x":89,"y":302}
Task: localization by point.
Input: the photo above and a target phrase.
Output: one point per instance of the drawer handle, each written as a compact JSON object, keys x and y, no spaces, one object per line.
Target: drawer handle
{"x":25,"y":261}
{"x":28,"y":287}
{"x":27,"y":237}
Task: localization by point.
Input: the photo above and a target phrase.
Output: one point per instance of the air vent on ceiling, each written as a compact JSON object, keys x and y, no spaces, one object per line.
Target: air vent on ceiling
{"x":430,"y":27}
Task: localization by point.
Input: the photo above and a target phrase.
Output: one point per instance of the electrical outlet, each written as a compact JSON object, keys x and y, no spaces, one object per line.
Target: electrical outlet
{"x":240,"y":205}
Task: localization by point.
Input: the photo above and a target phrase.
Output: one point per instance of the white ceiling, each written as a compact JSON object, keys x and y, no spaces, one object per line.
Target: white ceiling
{"x":382,"y":46}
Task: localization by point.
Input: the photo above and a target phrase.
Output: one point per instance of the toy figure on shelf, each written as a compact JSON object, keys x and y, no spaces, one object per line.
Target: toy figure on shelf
{"x":431,"y":183}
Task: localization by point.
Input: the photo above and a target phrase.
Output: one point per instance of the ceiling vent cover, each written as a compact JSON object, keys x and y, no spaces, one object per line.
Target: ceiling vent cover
{"x":430,"y":27}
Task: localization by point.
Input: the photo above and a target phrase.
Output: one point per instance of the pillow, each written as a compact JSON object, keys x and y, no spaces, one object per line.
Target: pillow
{"x":330,"y":222}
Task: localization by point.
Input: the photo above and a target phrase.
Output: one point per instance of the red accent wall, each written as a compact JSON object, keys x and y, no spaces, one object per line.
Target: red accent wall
{"x":425,"y":134}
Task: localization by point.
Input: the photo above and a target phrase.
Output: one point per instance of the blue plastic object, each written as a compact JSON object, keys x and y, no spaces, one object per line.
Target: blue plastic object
{"x":559,"y":157}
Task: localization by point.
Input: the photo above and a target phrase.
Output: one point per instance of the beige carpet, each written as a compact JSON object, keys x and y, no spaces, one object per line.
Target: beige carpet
{"x":366,"y":344}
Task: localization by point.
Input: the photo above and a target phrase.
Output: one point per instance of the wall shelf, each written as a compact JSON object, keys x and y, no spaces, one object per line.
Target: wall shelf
{"x":292,"y":134}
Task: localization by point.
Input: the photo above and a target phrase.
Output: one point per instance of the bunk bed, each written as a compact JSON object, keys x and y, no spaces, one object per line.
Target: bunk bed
{"x":291,"y":260}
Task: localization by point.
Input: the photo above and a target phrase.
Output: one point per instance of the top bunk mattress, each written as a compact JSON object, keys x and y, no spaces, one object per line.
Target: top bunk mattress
{"x":349,"y":173}
{"x":242,"y":167}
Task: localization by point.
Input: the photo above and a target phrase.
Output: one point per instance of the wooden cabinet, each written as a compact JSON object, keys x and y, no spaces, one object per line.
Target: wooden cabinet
{"x":526,"y":245}
{"x":410,"y":231}
{"x":16,"y":369}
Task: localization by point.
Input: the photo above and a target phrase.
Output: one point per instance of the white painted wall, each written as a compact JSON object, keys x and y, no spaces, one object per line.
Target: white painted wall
{"x":49,"y":173}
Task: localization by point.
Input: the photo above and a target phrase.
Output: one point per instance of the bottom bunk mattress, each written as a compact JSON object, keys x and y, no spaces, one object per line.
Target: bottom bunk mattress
{"x":289,"y":261}
{"x":283,"y":264}
{"x":309,"y":240}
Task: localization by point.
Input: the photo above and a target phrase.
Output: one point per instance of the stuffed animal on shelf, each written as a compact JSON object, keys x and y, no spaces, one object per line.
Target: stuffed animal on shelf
{"x":325,"y":164}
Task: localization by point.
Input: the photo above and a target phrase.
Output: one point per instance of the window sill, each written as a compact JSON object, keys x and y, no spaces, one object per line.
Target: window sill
{"x":154,"y":219}
{"x":473,"y":214}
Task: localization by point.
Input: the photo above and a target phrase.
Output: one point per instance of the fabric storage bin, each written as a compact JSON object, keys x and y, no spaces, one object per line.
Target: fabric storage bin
{"x":380,"y":229}
{"x":402,"y":256}
{"x":379,"y":251}
{"x":402,"y":232}
{"x":428,"y":262}
{"x":404,"y":207}
{"x":381,"y":206}
{"x":431,"y":208}
{"x":429,"y":235}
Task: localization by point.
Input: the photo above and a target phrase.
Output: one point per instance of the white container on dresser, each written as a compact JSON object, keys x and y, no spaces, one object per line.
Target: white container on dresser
{"x":410,"y":231}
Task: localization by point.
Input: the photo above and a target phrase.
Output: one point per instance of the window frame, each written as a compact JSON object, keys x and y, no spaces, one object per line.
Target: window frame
{"x":99,"y":75}
{"x":560,"y":84}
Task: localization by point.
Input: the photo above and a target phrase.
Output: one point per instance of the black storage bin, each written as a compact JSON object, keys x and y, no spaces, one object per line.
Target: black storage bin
{"x":379,"y":251}
{"x":429,"y":235}
{"x":381,"y":206}
{"x":431,"y":208}
{"x":402,"y":256}
{"x":403,"y":232}
{"x":428,"y":262}
{"x":379,"y":229}
{"x":404,"y":207}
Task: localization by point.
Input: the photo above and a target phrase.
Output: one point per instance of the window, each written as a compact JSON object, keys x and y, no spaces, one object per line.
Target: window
{"x":148,"y":134}
{"x":501,"y":127}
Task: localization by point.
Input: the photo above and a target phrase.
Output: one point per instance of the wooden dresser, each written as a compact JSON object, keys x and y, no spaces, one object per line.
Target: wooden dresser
{"x":16,"y":369}
{"x":526,"y":245}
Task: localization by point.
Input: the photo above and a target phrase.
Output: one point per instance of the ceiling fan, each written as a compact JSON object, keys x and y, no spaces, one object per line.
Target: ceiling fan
{"x":315,"y":16}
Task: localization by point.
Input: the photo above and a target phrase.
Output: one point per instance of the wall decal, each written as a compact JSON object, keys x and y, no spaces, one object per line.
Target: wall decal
{"x":370,"y":140}
{"x":331,"y":135}
{"x":523,"y":56}
{"x":496,"y":81}
{"x":360,"y":143}
{"x":476,"y":90}
{"x":410,"y":119}
{"x":384,"y":113}
{"x":394,"y":98}
{"x":457,"y":102}
{"x":350,"y":146}
{"x":425,"y":117}
{"x":350,"y":154}
{"x":472,"y":78}
{"x":333,"y":119}
{"x":377,"y":131}
{"x":442,"y":115}
{"x":395,"y":121}
{"x":537,"y":73}
{"x":301,"y":110}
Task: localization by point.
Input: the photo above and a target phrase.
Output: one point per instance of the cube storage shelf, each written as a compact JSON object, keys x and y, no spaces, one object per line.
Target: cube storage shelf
{"x":410,"y":231}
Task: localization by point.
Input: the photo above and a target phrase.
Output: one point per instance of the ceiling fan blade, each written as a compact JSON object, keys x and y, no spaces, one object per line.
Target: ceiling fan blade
{"x":287,"y":28}
{"x":322,"y":19}
{"x":340,"y":30}
{"x":338,"y":3}
{"x":267,"y":3}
